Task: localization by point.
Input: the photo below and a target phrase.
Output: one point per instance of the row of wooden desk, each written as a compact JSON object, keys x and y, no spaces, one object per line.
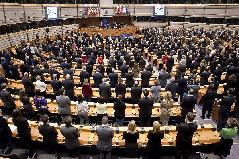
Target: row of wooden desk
{"x":205,"y":134}
{"x":131,"y":111}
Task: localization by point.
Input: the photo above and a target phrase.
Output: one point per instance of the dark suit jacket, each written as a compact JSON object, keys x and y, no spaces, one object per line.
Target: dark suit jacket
{"x":105,"y":135}
{"x":119,"y":107}
{"x":84,"y":75}
{"x":56,"y":85}
{"x":188,"y":103}
{"x":105,"y":91}
{"x":120,"y":89}
{"x":68,"y":85}
{"x":71,"y":135}
{"x":225,"y":105}
{"x":184,"y":135}
{"x":124,"y":69}
{"x":97,"y":77}
{"x":49,"y":134}
{"x":145,"y":107}
{"x":28,"y":85}
{"x":5,"y":132}
{"x":113,"y":79}
{"x":145,"y":76}
{"x":129,"y":79}
{"x":136,"y":94}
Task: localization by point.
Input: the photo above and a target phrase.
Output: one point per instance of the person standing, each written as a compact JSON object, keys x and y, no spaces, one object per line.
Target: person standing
{"x":119,"y":107}
{"x":105,"y":91}
{"x":105,"y":135}
{"x":83,"y":110}
{"x":184,"y":136}
{"x":227,"y":135}
{"x":145,"y":109}
{"x":187,"y":104}
{"x":7,"y":99}
{"x":49,"y":134}
{"x":145,"y":77}
{"x":28,"y":85}
{"x":131,"y":136}
{"x":166,"y":105}
{"x":71,"y":135}
{"x":56,"y":85}
{"x":87,"y":90}
{"x":5,"y":133}
{"x":68,"y":85}
{"x":155,"y":90}
{"x":23,"y":130}
{"x":136,"y":93}
{"x":154,"y":146}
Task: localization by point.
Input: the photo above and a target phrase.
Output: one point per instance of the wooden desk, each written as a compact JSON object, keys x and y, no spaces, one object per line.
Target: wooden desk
{"x":205,"y":135}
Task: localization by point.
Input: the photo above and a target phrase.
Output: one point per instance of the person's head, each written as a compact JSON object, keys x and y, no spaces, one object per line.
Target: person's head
{"x":232,"y":122}
{"x":54,"y":76}
{"x":4,"y":86}
{"x":25,"y":74}
{"x":136,"y":83}
{"x":68,"y":76}
{"x":168,"y":96}
{"x":105,"y":119}
{"x":21,"y":92}
{"x":131,"y":126}
{"x":230,"y":91}
{"x":191,"y":91}
{"x":146,"y":93}
{"x":38,"y":77}
{"x":190,"y":116}
{"x":45,"y":119}
{"x":156,"y":126}
{"x":120,"y":97}
{"x":16,"y":114}
{"x":61,"y":91}
{"x":68,"y":120}
{"x":80,"y":98}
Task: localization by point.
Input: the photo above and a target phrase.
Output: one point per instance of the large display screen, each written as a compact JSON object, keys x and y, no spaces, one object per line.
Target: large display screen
{"x":52,"y":13}
{"x":159,"y":10}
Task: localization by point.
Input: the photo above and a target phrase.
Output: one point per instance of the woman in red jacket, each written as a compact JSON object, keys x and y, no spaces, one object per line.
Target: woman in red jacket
{"x":87,"y":90}
{"x":100,"y":60}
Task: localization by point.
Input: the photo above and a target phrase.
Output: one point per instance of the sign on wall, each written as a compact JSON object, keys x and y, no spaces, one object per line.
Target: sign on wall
{"x":159,"y":10}
{"x":52,"y":13}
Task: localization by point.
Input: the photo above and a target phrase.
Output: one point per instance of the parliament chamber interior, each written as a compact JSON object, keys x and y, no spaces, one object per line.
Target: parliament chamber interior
{"x":119,"y":79}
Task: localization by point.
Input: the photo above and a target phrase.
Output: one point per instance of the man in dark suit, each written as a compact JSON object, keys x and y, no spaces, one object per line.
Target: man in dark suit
{"x":188,"y":103}
{"x":145,"y":109}
{"x":97,"y":77}
{"x":136,"y":92}
{"x":105,"y":135}
{"x":172,"y":87}
{"x":89,"y":69}
{"x":68,"y":85}
{"x":113,"y":79}
{"x":5,"y":133}
{"x":68,"y":70}
{"x":225,"y":108}
{"x":124,"y":69}
{"x":53,"y":71}
{"x":162,"y":77}
{"x":101,"y":69}
{"x":71,"y":135}
{"x":129,"y":79}
{"x":56,"y":85}
{"x":119,"y":107}
{"x":120,"y":88}
{"x":28,"y":85}
{"x":170,"y":63}
{"x":84,"y":75}
{"x":182,"y":86}
{"x":7,"y":99}
{"x":105,"y":91}
{"x":204,"y":77}
{"x":184,"y":137}
{"x":145,"y":76}
{"x":49,"y":134}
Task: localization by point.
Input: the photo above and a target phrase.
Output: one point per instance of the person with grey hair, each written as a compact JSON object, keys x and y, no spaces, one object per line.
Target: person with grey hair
{"x":68,"y":85}
{"x":28,"y":85}
{"x":56,"y":85}
{"x":155,"y":90}
{"x":105,"y":135}
{"x":40,"y":85}
{"x":71,"y":135}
